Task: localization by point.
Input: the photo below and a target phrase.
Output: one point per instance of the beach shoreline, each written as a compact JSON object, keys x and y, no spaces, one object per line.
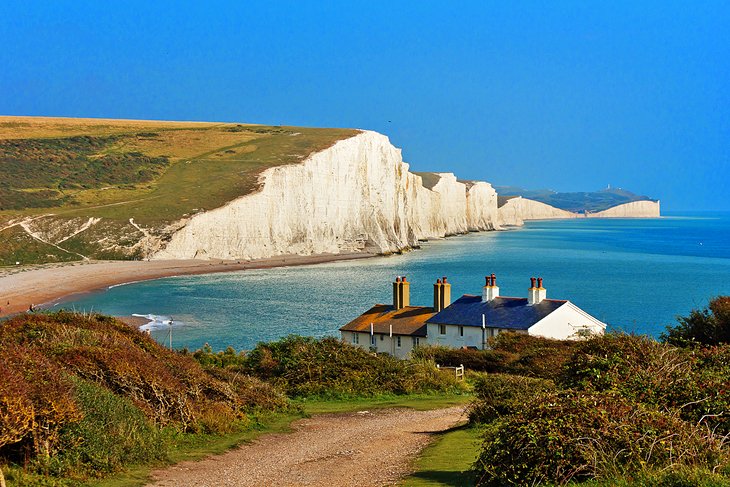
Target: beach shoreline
{"x":49,"y":285}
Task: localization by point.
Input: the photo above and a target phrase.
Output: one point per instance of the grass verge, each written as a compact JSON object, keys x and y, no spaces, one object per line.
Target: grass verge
{"x":448,"y":460}
{"x":419,"y":402}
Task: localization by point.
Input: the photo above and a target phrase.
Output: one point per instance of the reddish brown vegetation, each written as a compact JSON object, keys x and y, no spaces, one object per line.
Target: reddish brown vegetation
{"x":40,"y":354}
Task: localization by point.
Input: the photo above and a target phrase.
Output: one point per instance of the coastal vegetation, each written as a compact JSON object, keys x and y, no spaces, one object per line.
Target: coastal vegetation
{"x":68,"y":171}
{"x":83,"y":397}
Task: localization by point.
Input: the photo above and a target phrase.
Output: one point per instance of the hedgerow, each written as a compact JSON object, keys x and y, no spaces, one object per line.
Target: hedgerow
{"x":509,"y":353}
{"x":305,"y":366}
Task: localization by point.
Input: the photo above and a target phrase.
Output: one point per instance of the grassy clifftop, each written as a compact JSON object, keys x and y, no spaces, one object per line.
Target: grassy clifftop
{"x":93,"y":175}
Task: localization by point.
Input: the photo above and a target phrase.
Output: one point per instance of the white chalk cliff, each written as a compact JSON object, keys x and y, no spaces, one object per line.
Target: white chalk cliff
{"x":518,"y":209}
{"x":357,"y":195}
{"x":634,"y":209}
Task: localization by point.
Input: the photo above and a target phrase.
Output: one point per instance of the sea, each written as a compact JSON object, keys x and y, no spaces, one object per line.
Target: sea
{"x":636,"y":275}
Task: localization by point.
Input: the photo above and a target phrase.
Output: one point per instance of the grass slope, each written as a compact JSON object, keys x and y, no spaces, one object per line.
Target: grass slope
{"x":153,"y":172}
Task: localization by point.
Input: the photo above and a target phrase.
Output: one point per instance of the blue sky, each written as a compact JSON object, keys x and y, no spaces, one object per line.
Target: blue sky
{"x":565,"y":95}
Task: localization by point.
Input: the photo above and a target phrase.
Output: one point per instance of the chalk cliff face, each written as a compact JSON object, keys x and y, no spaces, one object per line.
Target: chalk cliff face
{"x":357,"y":195}
{"x":635,"y":209}
{"x":516,"y":210}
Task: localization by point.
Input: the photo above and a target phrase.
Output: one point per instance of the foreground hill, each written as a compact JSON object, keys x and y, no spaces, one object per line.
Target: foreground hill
{"x":577,"y":202}
{"x":83,"y":189}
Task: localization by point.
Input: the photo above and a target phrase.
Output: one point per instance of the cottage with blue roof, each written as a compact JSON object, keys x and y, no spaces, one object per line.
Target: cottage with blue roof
{"x":470,"y":321}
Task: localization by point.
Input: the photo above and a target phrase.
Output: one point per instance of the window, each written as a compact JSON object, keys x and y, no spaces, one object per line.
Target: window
{"x":461,"y":331}
{"x":381,"y":337}
{"x":372,"y":340}
{"x":442,"y":329}
{"x":397,"y":342}
{"x":415,"y":342}
{"x":356,"y":338}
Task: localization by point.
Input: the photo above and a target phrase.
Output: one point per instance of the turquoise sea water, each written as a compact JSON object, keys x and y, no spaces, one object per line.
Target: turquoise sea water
{"x":636,"y":275}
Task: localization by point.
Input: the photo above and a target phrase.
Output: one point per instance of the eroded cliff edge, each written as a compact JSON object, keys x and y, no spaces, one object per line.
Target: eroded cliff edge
{"x":357,"y":195}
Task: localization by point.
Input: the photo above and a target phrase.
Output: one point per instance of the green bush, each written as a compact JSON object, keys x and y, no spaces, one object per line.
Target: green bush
{"x":328,"y":367}
{"x":499,"y":395}
{"x":573,"y":436}
{"x":692,"y":383}
{"x":113,"y":433}
{"x":476,"y":360}
{"x":705,"y":327}
{"x":510,"y":353}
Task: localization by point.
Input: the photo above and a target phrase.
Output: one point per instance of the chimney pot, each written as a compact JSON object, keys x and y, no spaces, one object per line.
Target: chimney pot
{"x":532,"y":282}
{"x":494,"y":280}
{"x":404,"y":278}
{"x":443,"y":279}
{"x":487,"y":281}
{"x":397,"y":279}
{"x":539,"y":282}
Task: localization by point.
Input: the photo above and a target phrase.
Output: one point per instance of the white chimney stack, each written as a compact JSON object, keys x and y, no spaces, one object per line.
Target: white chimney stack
{"x":490,"y":290}
{"x":536,"y":293}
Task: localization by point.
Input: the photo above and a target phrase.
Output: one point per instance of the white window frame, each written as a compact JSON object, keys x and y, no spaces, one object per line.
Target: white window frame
{"x":356,"y":338}
{"x":461,"y":331}
{"x":397,"y":341}
{"x":442,"y":329}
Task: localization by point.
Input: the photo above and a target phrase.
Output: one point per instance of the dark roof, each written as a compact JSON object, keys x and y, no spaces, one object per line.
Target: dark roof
{"x":410,"y":320}
{"x":510,"y":313}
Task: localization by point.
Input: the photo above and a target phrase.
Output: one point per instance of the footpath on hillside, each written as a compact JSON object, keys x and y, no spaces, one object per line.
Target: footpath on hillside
{"x":366,"y":448}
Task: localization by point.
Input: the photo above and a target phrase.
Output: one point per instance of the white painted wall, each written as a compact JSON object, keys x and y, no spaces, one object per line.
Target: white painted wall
{"x":472,"y":336}
{"x":383,"y":343}
{"x":565,"y":322}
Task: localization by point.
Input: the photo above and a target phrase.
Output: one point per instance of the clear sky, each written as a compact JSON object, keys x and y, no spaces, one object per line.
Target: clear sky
{"x":564,"y":95}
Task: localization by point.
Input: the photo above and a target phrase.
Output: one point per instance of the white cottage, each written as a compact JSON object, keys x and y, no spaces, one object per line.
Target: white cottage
{"x":467,"y":322}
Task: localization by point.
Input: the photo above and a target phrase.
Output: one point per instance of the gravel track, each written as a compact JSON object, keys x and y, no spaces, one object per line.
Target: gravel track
{"x":367,"y":448}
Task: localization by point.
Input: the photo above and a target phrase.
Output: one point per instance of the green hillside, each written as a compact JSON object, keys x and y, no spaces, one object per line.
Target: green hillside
{"x":114,"y":170}
{"x":578,"y":202}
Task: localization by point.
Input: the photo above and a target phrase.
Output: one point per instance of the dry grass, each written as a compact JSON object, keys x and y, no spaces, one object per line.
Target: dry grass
{"x":44,"y":127}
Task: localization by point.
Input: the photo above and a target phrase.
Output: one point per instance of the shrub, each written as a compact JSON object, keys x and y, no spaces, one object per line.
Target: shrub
{"x":511,"y":353}
{"x":85,"y":395}
{"x":113,"y":433}
{"x":477,"y":360}
{"x":533,"y":356}
{"x":305,"y":366}
{"x":694,"y":384}
{"x":706,"y":327}
{"x":564,"y":436}
{"x":227,"y":358}
{"x":500,"y":395}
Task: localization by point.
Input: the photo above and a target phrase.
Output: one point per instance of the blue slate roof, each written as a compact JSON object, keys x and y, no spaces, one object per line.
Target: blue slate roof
{"x":509,"y":313}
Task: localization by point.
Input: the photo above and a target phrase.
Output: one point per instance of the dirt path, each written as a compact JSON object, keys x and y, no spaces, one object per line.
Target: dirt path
{"x":333,"y":450}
